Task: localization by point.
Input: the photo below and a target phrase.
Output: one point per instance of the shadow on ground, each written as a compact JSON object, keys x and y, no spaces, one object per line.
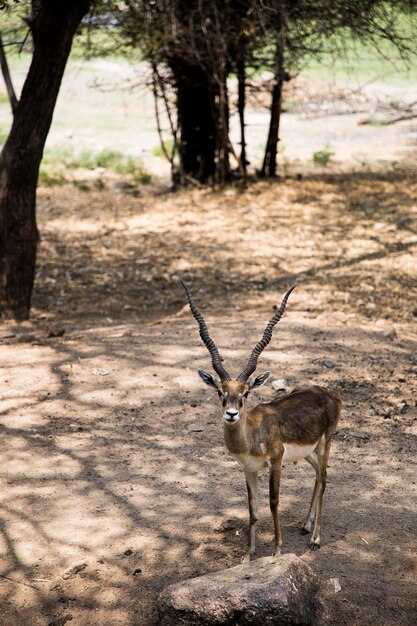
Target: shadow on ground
{"x":115,"y":481}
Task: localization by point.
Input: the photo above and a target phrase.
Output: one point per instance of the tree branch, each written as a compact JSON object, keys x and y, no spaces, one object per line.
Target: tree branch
{"x":386,"y":122}
{"x":158,"y":121}
{"x":7,"y":78}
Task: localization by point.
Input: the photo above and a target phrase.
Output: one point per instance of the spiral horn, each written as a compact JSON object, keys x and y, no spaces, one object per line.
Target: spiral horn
{"x":208,"y":341}
{"x":266,"y":338}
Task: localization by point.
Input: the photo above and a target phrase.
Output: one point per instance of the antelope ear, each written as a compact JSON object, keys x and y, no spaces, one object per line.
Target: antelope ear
{"x":259,"y":380}
{"x":208,"y":379}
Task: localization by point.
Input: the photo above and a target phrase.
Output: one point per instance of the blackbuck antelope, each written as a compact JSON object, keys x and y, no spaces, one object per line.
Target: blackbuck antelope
{"x":299,"y":425}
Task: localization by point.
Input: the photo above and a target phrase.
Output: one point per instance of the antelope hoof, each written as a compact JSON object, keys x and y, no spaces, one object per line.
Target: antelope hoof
{"x":307,"y":527}
{"x":314,"y":546}
{"x":246,"y":558}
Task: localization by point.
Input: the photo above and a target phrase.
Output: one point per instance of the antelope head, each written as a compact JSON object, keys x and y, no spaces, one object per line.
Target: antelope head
{"x":233,"y":393}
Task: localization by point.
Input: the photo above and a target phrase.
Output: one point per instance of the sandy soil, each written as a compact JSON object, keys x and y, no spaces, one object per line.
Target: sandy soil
{"x":115,"y":481}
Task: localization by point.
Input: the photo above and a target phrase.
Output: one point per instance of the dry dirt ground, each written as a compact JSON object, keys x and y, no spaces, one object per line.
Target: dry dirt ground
{"x":114,"y":478}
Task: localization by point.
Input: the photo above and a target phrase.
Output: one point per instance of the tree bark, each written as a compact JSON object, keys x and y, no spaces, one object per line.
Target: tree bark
{"x":269,"y":166}
{"x":241,"y":77}
{"x":53,"y":25}
{"x":197,"y":131}
{"x":203,"y":123}
{"x":220,"y":99}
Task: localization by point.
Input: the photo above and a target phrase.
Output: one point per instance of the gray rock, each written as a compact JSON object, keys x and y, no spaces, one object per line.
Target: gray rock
{"x":279,"y":385}
{"x":277,"y":591}
{"x":402,"y":406}
{"x":196,"y":428}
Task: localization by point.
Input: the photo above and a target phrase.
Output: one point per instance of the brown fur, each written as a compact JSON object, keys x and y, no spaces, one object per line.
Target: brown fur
{"x":298,"y":425}
{"x":307,"y":416}
{"x":317,"y":412}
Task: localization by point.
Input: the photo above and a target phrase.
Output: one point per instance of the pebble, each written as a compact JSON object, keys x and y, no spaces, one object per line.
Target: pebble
{"x":196,"y":428}
{"x":279,"y":385}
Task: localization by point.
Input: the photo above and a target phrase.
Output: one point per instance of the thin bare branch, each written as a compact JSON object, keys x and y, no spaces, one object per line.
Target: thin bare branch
{"x":158,"y":119}
{"x":7,"y":78}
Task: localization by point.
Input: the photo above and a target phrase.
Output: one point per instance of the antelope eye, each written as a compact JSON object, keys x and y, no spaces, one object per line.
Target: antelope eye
{"x":224,"y":401}
{"x":245,"y":395}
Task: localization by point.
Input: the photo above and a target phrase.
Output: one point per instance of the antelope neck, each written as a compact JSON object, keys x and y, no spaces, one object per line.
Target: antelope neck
{"x":235,"y":436}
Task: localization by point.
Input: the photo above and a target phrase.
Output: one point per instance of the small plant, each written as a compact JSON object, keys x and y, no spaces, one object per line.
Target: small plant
{"x":82,"y":185}
{"x":50,"y":179}
{"x":134,"y":167}
{"x":322,"y":157}
{"x":144,"y":177}
{"x":99,"y":184}
{"x":125,"y":165}
{"x":110,"y":159}
{"x":84,"y":160}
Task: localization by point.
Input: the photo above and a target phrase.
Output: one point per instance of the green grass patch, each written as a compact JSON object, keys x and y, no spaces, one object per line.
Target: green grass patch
{"x":112,"y":160}
{"x":352,"y":59}
{"x":378,"y":123}
{"x":82,"y":185}
{"x":50,"y":179}
{"x":103,"y":41}
{"x":364,"y":68}
{"x":323,"y":157}
{"x":56,"y":156}
{"x":368,"y":56}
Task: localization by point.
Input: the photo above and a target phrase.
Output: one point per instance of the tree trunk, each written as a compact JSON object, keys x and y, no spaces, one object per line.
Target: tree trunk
{"x":53,"y":25}
{"x":269,"y":166}
{"x":241,"y":77}
{"x":197,"y":129}
{"x":203,"y":122}
{"x":220,"y":100}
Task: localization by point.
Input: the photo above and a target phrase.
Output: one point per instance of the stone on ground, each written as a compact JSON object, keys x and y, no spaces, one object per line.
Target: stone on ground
{"x":277,"y":591}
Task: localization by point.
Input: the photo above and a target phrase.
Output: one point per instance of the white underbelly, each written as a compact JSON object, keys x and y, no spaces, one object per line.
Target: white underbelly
{"x":295,"y":452}
{"x":292,"y":452}
{"x":251,"y":463}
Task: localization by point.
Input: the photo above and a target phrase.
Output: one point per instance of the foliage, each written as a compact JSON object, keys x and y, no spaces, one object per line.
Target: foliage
{"x":322,"y":157}
{"x":225,"y":37}
{"x":100,"y":34}
{"x":220,"y":36}
{"x":14,"y":26}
